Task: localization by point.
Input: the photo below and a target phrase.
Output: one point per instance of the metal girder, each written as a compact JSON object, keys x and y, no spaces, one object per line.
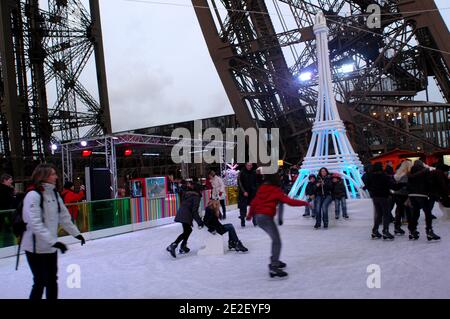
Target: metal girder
{"x":390,"y":66}
{"x":40,"y":48}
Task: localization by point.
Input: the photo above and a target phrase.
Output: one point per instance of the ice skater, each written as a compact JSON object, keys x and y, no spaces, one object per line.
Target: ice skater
{"x":263,"y":208}
{"x":310,"y":192}
{"x":185,"y":215}
{"x":339,"y":195}
{"x":211,"y":220}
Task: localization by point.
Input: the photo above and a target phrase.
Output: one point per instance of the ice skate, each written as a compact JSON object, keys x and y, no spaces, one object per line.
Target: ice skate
{"x":399,"y":231}
{"x":171,"y":249}
{"x":414,"y":235}
{"x":376,"y":235}
{"x":346,"y":216}
{"x":432,"y":236}
{"x":240,"y":247}
{"x":280,"y":265}
{"x":184,"y":249}
{"x":387,"y":235}
{"x":276,"y":272}
{"x":236,"y":245}
{"x":305,"y":215}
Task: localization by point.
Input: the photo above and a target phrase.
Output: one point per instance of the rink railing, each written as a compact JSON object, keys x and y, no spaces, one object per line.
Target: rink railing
{"x":105,"y":218}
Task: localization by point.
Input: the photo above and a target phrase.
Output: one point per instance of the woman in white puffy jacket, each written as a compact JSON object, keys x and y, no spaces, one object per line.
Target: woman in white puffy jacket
{"x":218,"y":191}
{"x":43,"y":211}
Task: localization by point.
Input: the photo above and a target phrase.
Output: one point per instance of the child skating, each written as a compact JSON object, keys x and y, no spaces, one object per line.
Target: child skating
{"x":263,"y":208}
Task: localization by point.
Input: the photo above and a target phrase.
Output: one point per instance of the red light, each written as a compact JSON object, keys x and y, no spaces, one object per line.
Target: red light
{"x":86,"y":153}
{"x":128,"y":152}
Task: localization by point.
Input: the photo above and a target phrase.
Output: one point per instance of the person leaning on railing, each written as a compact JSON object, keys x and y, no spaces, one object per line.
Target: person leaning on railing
{"x":70,"y":197}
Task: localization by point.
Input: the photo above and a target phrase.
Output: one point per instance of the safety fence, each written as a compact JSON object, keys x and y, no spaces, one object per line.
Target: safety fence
{"x":113,"y":213}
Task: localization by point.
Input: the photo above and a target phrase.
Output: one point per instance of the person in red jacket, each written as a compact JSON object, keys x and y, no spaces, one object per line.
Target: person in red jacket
{"x":263,"y":208}
{"x":69,"y":196}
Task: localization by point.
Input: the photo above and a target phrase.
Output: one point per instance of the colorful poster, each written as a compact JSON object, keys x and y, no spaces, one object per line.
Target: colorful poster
{"x":156,"y":187}
{"x":136,"y":188}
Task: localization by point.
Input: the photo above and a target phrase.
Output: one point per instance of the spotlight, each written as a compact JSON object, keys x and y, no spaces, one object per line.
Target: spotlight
{"x":305,"y":76}
{"x":54,"y":147}
{"x":83,"y":143}
{"x":346,"y":68}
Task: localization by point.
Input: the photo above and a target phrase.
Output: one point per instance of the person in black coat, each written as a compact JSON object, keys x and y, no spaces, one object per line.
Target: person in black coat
{"x":247,"y":184}
{"x":379,"y":184}
{"x":339,"y":195}
{"x":419,"y":189}
{"x":185,"y":215}
{"x":211,"y":220}
{"x":311,"y":192}
{"x":324,"y":199}
{"x":7,"y":199}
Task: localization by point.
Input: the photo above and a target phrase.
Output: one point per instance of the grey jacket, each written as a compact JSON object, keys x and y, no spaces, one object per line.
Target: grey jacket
{"x":44,"y":223}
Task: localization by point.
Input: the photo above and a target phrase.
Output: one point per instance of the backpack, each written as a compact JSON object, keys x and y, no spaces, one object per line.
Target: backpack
{"x":18,"y":225}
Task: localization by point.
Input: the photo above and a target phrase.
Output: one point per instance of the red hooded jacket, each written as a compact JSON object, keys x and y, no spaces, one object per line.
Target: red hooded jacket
{"x":70,"y":197}
{"x":266,"y":200}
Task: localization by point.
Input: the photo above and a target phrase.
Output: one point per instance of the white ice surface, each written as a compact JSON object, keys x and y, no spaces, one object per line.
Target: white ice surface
{"x":321,"y":263}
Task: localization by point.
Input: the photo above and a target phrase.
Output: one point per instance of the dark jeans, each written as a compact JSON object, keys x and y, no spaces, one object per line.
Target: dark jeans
{"x":232,"y":236}
{"x":313,"y":209}
{"x":243,"y":214}
{"x":382,"y":213}
{"x":268,"y":225}
{"x":44,"y":268}
{"x":338,"y":203}
{"x":224,"y":208}
{"x":401,"y":211}
{"x":419,"y":203}
{"x":322,"y":209}
{"x":187,"y":230}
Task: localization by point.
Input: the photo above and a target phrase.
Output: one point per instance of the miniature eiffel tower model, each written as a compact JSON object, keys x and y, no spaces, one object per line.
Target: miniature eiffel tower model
{"x":329,"y":146}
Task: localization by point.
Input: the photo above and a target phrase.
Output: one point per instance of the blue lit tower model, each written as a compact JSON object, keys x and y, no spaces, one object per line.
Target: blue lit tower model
{"x":329,"y":146}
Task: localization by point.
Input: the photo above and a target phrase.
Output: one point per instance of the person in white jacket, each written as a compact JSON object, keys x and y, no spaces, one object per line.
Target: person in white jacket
{"x":43,"y":211}
{"x":218,"y":191}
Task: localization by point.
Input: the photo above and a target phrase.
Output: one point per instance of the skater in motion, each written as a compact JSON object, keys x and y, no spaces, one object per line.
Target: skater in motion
{"x":43,"y":210}
{"x":419,"y":189}
{"x":211,"y":220}
{"x":263,"y":208}
{"x":185,"y":215}
{"x":379,"y":184}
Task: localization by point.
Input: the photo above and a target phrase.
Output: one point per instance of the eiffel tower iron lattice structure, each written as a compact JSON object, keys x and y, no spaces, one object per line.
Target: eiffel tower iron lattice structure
{"x":329,"y":146}
{"x":265,"y":56}
{"x":43,"y":56}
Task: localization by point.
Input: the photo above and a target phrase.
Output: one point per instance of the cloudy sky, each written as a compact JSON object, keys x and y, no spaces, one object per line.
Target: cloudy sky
{"x":158,"y":66}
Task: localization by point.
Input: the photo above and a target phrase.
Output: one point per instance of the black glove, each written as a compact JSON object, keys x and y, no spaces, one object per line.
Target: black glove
{"x":79,"y":237}
{"x":60,"y":246}
{"x":280,"y":222}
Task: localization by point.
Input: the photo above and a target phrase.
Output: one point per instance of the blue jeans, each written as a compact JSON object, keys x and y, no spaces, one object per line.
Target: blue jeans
{"x":338,"y":203}
{"x":267,"y":224}
{"x":322,"y":209}
{"x":231,"y":232}
{"x":313,"y":209}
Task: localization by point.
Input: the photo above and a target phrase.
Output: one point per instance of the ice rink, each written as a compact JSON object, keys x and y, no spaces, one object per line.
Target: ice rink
{"x":321,"y":263}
